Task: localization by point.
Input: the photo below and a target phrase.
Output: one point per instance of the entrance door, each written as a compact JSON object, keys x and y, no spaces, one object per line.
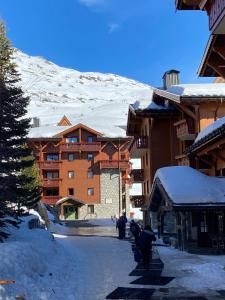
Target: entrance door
{"x":70,"y":212}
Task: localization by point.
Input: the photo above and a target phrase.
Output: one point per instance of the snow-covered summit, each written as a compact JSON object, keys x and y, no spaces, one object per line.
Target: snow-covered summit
{"x":87,"y":97}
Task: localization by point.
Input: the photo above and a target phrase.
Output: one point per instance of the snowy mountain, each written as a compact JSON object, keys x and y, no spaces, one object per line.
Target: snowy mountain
{"x":98,"y":100}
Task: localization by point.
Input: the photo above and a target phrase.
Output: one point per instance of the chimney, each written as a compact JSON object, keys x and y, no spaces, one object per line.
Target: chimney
{"x":170,"y":77}
{"x":36,"y":122}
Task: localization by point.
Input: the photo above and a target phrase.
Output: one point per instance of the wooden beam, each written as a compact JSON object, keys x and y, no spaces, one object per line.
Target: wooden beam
{"x":206,"y":162}
{"x":213,"y":147}
{"x":220,"y":50}
{"x":187,"y":111}
{"x":219,"y":70}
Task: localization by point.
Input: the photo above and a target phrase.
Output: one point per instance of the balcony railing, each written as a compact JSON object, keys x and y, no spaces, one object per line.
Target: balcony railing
{"x":51,"y":182}
{"x":137,"y":201}
{"x":114,"y":164}
{"x":185,"y":129}
{"x":137,"y":175}
{"x":182,"y":160}
{"x":51,"y":200}
{"x":216,"y":12}
{"x":142,"y":142}
{"x":86,"y":147}
{"x":49,"y":164}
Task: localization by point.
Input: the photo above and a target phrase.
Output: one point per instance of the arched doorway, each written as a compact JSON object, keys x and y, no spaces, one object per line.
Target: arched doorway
{"x":68,"y":208}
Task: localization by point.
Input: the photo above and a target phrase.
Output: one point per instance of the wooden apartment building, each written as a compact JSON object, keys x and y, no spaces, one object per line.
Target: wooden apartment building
{"x":213,"y":61}
{"x":166,"y":127}
{"x":83,"y":173}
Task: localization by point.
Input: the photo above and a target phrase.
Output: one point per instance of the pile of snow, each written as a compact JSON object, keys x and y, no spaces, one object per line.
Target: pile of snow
{"x":198,"y":90}
{"x":185,"y":185}
{"x":86,"y":96}
{"x":209,"y":129}
{"x":196,"y":273}
{"x":147,"y":105}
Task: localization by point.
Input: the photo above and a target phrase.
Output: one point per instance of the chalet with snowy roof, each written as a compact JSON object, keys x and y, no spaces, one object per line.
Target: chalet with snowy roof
{"x":213,"y":61}
{"x":166,"y":125}
{"x":83,"y":173}
{"x":190,"y":207}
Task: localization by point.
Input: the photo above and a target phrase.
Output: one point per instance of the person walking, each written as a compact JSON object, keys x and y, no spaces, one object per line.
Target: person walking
{"x":135,"y":230}
{"x":144,"y":243}
{"x":121,"y":225}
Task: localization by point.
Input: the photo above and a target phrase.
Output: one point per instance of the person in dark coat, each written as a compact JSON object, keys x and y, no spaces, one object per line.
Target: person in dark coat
{"x":121,"y":225}
{"x":135,"y":230}
{"x":144,"y":243}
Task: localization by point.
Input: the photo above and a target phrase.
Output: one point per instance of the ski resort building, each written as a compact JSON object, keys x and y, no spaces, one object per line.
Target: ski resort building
{"x":166,"y":132}
{"x":213,"y":61}
{"x":84,"y":174}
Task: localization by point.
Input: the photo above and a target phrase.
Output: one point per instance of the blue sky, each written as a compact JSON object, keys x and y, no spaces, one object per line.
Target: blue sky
{"x":139,"y":39}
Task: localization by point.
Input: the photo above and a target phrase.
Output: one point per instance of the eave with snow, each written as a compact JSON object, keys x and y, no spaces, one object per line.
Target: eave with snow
{"x":190,"y":206}
{"x":213,"y":61}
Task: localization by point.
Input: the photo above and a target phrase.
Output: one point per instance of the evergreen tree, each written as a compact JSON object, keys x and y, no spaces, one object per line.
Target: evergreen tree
{"x":14,"y":156}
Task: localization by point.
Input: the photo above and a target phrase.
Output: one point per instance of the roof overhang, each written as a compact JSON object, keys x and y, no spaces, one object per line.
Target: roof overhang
{"x":76,"y":202}
{"x":188,"y":4}
{"x":213,"y":61}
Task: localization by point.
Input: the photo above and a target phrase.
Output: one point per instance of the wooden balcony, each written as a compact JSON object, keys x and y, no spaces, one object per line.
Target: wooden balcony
{"x":137,"y":175}
{"x":76,"y":147}
{"x":185,"y":129}
{"x":114,"y":164}
{"x":216,"y":13}
{"x":49,"y":164}
{"x":51,"y":200}
{"x":137,"y":201}
{"x":182,"y":160}
{"x":140,"y":145}
{"x":51,"y":182}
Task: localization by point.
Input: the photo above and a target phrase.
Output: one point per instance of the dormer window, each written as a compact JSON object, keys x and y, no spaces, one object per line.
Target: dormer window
{"x":72,"y":139}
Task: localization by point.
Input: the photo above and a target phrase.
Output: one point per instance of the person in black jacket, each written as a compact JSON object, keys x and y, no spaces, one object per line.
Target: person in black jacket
{"x":144,"y":242}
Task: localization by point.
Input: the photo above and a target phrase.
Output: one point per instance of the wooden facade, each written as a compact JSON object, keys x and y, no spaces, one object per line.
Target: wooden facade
{"x":213,"y":60}
{"x":71,"y":163}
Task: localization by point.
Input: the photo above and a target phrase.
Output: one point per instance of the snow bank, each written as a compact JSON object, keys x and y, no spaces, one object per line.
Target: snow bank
{"x":193,"y":272}
{"x":185,"y":185}
{"x":198,"y":90}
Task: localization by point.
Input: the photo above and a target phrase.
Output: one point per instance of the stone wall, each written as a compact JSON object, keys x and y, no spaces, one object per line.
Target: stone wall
{"x":110,"y":192}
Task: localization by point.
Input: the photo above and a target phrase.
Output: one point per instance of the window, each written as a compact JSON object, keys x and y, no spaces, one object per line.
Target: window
{"x":90,"y":156}
{"x":91,"y":209}
{"x":90,"y":174}
{"x":90,"y":191}
{"x":70,"y":191}
{"x":51,"y":175}
{"x":90,"y":139}
{"x":52,"y":156}
{"x":123,"y":157}
{"x":71,"y":156}
{"x":72,"y":139}
{"x":70,"y":174}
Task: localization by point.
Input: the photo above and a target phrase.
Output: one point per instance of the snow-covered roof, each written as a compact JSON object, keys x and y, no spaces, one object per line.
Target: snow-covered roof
{"x":185,"y":185}
{"x":109,"y":130}
{"x":198,"y":90}
{"x":147,"y":105}
{"x":46,"y":131}
{"x":209,"y":129}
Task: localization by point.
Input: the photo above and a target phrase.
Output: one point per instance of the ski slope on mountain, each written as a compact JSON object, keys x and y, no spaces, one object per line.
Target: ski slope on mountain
{"x":97,"y":100}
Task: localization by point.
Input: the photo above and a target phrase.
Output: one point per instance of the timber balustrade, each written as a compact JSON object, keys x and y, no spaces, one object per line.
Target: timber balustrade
{"x":51,"y":182}
{"x":51,"y":200}
{"x":137,"y":175}
{"x":185,"y":129}
{"x":49,"y":164}
{"x":114,"y":164}
{"x":216,"y":12}
{"x":137,"y":201}
{"x":86,"y":147}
